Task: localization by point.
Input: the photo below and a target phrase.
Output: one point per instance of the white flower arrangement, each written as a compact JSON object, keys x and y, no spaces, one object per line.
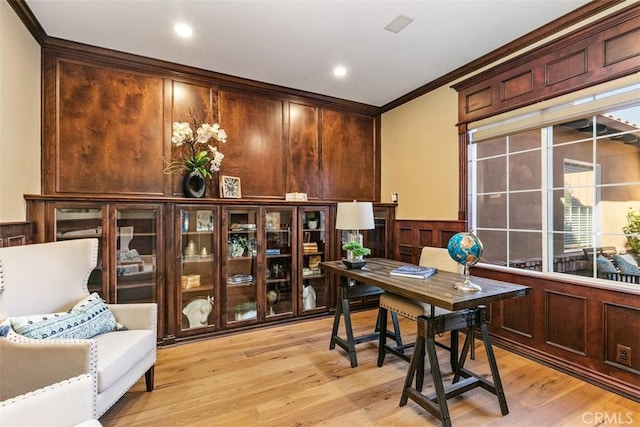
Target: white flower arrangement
{"x":197,"y":154}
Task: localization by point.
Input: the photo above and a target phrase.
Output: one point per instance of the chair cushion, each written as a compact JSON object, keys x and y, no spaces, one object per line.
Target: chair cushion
{"x":604,"y":265}
{"x":627,"y":265}
{"x":120,"y":350}
{"x":86,"y":319}
{"x":407,"y":307}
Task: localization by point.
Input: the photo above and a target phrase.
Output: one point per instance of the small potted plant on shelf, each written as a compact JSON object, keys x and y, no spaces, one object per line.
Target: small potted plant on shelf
{"x":355,"y":254}
{"x":246,"y":310}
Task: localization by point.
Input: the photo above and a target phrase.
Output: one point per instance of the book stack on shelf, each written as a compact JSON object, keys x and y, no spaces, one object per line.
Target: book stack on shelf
{"x":310,"y":248}
{"x":414,"y":271}
{"x":190,"y":281}
{"x":240,"y":279}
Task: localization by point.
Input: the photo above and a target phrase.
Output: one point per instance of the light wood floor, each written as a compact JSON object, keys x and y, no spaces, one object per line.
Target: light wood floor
{"x":287,"y":376}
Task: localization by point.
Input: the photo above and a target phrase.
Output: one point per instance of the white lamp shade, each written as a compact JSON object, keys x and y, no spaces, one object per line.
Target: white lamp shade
{"x":355,"y":216}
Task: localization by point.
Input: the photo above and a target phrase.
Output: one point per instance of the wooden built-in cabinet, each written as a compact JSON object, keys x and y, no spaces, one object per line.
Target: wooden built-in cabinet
{"x":212,"y":265}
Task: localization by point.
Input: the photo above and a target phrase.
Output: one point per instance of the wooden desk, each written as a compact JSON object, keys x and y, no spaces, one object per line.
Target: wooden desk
{"x":469,"y":311}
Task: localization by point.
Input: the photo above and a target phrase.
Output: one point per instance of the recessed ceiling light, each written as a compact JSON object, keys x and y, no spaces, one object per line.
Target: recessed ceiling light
{"x":398,"y":24}
{"x":339,"y":71}
{"x":183,"y":30}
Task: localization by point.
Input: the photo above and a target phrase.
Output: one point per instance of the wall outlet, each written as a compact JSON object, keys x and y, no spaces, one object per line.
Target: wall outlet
{"x":623,"y":355}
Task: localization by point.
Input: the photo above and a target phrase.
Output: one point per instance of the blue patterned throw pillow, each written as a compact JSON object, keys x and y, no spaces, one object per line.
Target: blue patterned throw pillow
{"x":626,"y":266}
{"x":604,"y":265}
{"x":88,"y":318}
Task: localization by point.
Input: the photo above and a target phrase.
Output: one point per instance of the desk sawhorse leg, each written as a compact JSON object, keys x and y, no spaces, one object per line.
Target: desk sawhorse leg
{"x":436,"y":403}
{"x":348,"y":290}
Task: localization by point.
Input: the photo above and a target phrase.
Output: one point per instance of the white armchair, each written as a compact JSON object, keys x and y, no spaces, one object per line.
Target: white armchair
{"x":63,"y":404}
{"x":51,"y":278}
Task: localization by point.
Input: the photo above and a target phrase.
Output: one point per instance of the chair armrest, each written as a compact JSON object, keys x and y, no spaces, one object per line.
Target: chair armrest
{"x":65,"y":403}
{"x":29,"y":364}
{"x":136,"y":316}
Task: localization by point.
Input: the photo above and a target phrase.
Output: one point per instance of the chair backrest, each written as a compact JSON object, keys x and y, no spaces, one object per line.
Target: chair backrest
{"x":440,"y":259}
{"x":45,"y":277}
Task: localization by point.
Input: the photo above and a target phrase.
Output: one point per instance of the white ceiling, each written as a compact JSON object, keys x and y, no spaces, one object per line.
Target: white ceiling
{"x":296,"y":43}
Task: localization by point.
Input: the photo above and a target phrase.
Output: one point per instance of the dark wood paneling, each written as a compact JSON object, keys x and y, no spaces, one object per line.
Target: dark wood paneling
{"x":565,"y":322}
{"x":413,"y":235}
{"x":254,"y":151}
{"x":15,"y":233}
{"x":109,"y":131}
{"x":599,"y":52}
{"x":109,"y":114}
{"x":622,"y":326}
{"x":348,"y":153}
{"x":303,"y":160}
{"x":574,"y":328}
{"x":517,"y":315}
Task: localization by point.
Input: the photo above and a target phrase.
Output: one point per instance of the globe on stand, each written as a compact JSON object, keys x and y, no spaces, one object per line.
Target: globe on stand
{"x":465,"y":249}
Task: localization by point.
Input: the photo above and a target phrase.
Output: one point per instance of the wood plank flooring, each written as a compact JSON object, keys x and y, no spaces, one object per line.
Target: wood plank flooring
{"x":287,"y":376}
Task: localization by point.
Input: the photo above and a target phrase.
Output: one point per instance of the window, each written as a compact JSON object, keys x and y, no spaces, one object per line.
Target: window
{"x":553,"y":197}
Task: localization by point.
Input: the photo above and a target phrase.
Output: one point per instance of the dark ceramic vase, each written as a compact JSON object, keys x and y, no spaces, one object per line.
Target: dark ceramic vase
{"x":353,"y":265}
{"x":194,"y":185}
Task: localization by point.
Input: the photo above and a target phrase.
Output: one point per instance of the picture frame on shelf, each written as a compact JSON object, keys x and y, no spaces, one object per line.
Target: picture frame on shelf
{"x":204,"y":221}
{"x":272,"y":220}
{"x":230,"y":187}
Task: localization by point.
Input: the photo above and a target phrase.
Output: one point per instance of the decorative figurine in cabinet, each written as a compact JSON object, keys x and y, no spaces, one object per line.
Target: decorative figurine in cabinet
{"x":240,"y":265}
{"x":198,"y":284}
{"x":312,"y":249}
{"x":279,"y":266}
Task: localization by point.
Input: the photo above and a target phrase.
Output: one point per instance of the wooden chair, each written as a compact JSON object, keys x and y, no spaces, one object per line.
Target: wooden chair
{"x":412,"y":310}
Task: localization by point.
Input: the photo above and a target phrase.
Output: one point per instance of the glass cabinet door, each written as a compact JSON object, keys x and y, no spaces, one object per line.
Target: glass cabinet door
{"x":79,"y":222}
{"x":312,"y":251}
{"x":280,"y":268}
{"x":198,"y":234}
{"x":136,"y":246}
{"x":239,"y":270}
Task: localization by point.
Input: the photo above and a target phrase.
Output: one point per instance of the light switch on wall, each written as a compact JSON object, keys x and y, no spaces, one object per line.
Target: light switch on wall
{"x":394,"y":197}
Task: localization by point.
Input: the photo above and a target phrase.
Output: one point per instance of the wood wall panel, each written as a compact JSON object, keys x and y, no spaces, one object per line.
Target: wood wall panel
{"x":15,"y":233}
{"x":574,"y":328}
{"x":412,"y":235}
{"x":622,"y":326}
{"x":565,"y":321}
{"x":254,"y":151}
{"x":599,"y":52}
{"x":303,"y":160}
{"x":113,"y":113}
{"x":517,"y":315}
{"x":108,"y":137}
{"x":622,"y":47}
{"x":348,"y":156}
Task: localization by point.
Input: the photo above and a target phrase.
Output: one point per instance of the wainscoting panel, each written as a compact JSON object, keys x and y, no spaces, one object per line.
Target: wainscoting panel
{"x":565,"y":322}
{"x":621,"y":327}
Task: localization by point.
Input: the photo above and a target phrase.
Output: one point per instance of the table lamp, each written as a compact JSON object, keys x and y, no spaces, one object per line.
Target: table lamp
{"x":354,"y":216}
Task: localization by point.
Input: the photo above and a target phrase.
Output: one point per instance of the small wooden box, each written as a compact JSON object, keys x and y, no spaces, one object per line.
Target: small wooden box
{"x":190,"y":281}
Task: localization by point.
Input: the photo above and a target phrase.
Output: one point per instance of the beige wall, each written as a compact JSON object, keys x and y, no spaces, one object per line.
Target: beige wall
{"x":19,"y":115}
{"x":420,"y":148}
{"x":420,"y":156}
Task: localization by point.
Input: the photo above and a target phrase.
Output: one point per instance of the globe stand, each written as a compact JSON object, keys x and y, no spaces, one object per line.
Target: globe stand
{"x":467,"y":286}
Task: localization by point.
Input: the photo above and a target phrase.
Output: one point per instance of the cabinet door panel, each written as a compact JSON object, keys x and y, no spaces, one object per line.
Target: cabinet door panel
{"x":280,"y":268}
{"x":313,"y":248}
{"x":136,"y":254}
{"x":198,"y":295}
{"x":240,"y":276}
